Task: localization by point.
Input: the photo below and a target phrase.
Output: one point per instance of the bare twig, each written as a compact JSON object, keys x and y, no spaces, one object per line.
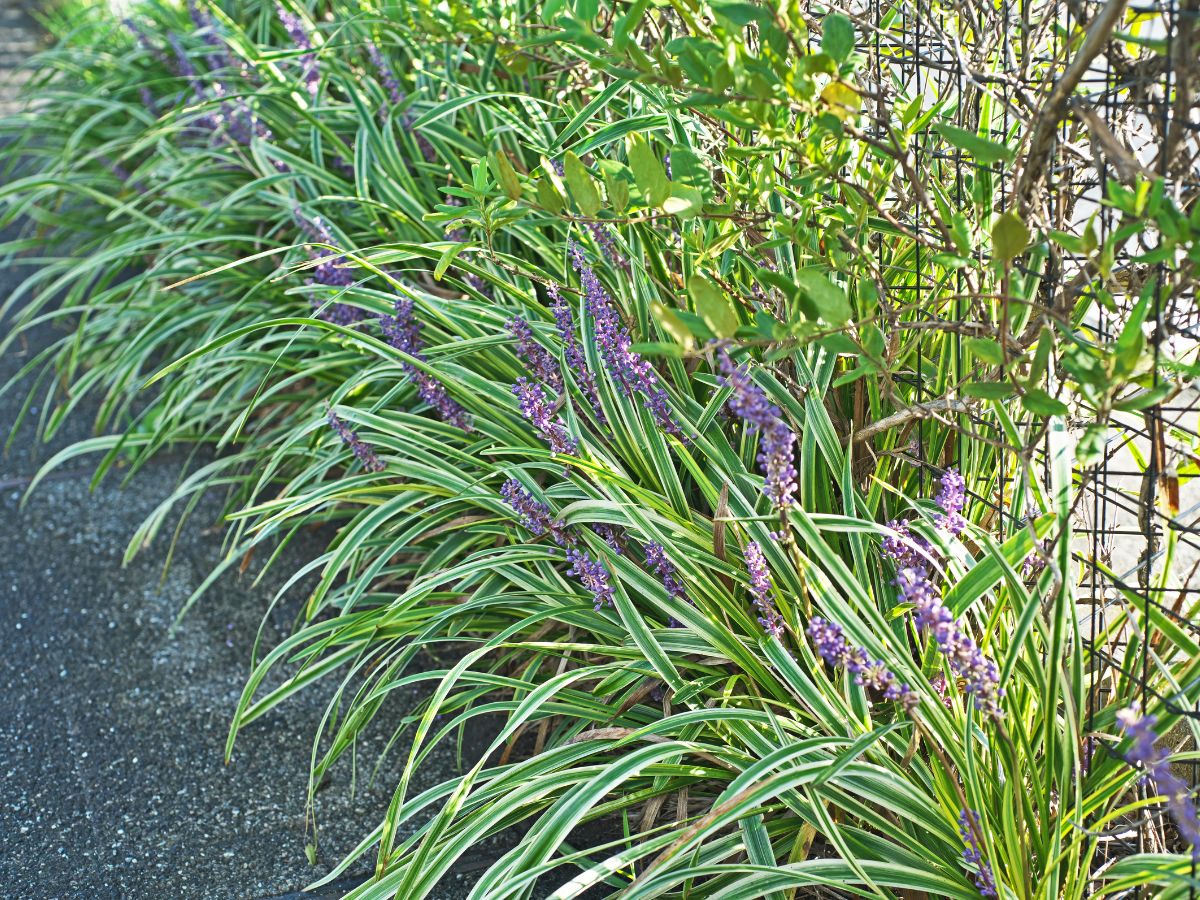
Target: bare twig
{"x":1045,"y":124}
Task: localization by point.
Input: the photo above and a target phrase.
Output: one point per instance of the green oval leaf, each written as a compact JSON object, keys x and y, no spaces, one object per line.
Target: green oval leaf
{"x":713,"y":306}
{"x":581,"y":184}
{"x":648,"y":171}
{"x":1010,"y":236}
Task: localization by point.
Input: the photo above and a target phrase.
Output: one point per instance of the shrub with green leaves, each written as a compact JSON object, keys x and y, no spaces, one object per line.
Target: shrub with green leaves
{"x":705,"y":393}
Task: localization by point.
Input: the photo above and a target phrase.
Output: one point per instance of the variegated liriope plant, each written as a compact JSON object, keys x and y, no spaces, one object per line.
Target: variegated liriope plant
{"x":690,"y":382}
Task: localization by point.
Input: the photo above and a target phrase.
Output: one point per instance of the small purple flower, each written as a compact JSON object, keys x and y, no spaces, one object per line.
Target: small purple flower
{"x":573,"y":352}
{"x":968,"y":827}
{"x":593,"y":576}
{"x":298,"y":32}
{"x":535,"y":408}
{"x":980,"y":674}
{"x":831,"y":645}
{"x":1156,"y":763}
{"x":776,"y":439}
{"x":361,"y":449}
{"x":1033,"y":564}
{"x":537,"y":358}
{"x":183,"y":63}
{"x":402,"y":331}
{"x":760,"y":590}
{"x":627,"y":369}
{"x":952,"y":498}
{"x":534,"y":515}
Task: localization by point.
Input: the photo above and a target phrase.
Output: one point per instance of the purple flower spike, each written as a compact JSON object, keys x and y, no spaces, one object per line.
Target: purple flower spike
{"x":573,"y":352}
{"x":534,"y":515}
{"x":361,"y":449}
{"x":776,"y":441}
{"x":387,"y":75}
{"x":403,"y":331}
{"x":831,"y":645}
{"x":760,"y":590}
{"x":952,"y":497}
{"x":534,"y":408}
{"x":206,"y":26}
{"x":331,"y":270}
{"x":661,"y":565}
{"x":980,"y":674}
{"x":593,"y":576}
{"x":968,"y":827}
{"x":537,"y":358}
{"x":606,"y":243}
{"x":298,"y":32}
{"x":632,"y":374}
{"x":1156,"y":763}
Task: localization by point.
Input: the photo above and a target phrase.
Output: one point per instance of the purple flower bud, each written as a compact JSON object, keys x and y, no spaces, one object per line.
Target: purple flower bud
{"x":611,"y":535}
{"x":660,"y":565}
{"x":632,"y":374}
{"x":402,"y":330}
{"x":206,"y":27}
{"x":362,"y":450}
{"x":535,"y":408}
{"x":593,"y":576}
{"x":968,"y":827}
{"x":537,"y":358}
{"x":1033,"y":564}
{"x":776,"y":439}
{"x":144,"y":43}
{"x":1156,"y":763}
{"x":760,"y":590}
{"x":906,"y":548}
{"x":331,"y":271}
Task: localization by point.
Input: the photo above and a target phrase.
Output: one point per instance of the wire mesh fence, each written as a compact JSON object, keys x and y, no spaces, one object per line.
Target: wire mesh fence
{"x":1104,"y":94}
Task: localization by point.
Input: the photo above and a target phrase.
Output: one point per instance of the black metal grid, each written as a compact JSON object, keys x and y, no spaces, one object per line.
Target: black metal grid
{"x":1133,"y":500}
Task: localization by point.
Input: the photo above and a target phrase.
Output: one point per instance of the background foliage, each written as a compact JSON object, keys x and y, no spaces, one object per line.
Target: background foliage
{"x":775,"y":280}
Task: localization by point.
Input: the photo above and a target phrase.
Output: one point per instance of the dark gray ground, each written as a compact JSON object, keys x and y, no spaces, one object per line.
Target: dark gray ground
{"x":112,"y":782}
{"x":112,"y":728}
